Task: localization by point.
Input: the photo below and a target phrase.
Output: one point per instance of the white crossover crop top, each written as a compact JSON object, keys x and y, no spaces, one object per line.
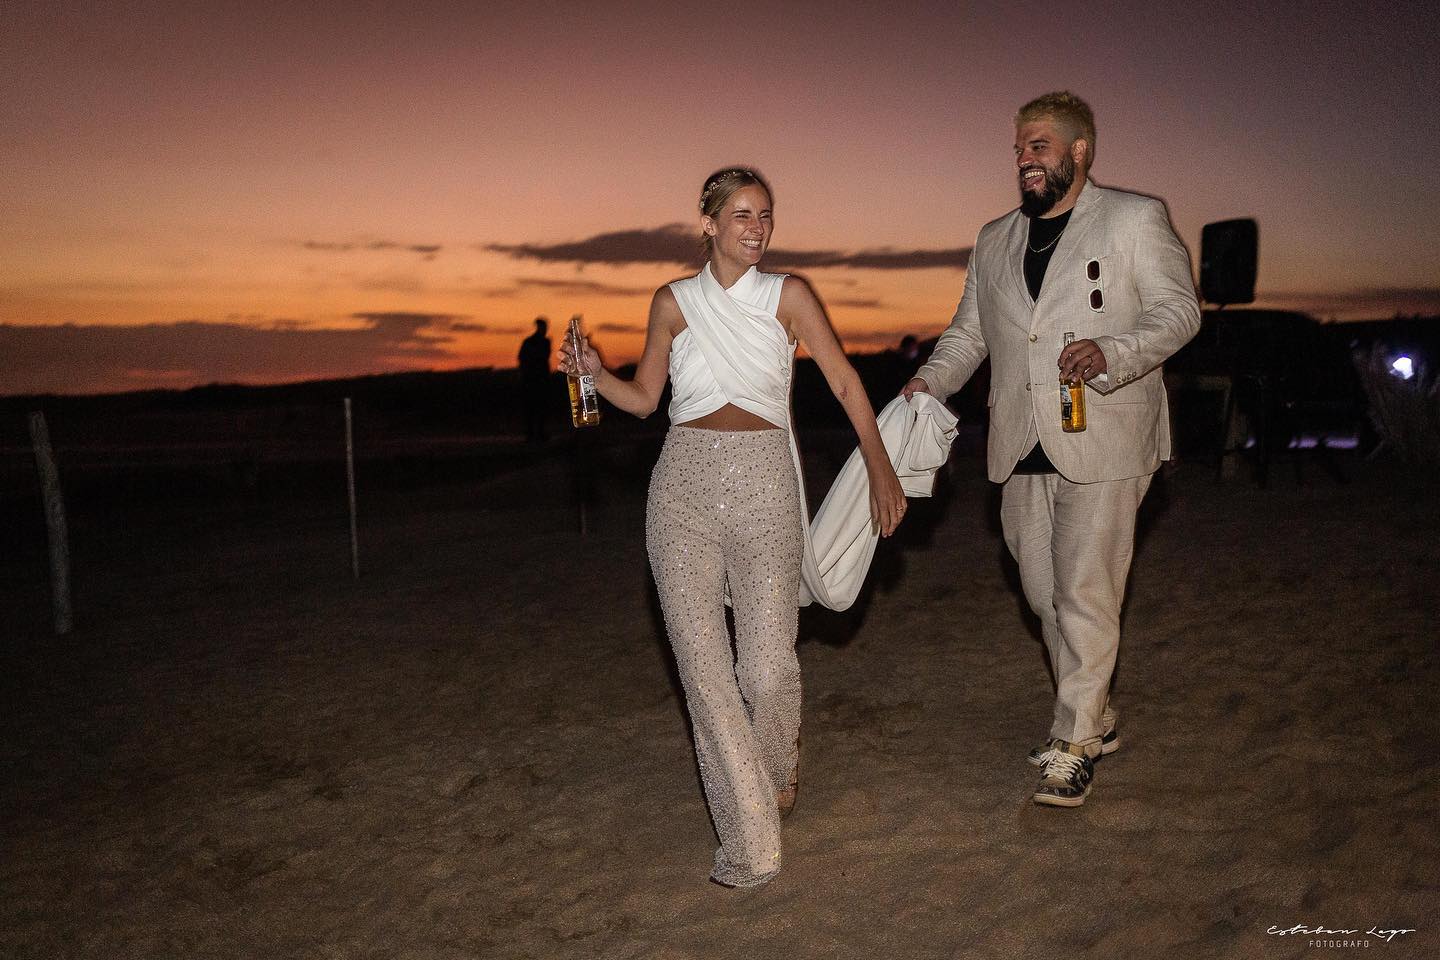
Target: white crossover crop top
{"x":732,"y":350}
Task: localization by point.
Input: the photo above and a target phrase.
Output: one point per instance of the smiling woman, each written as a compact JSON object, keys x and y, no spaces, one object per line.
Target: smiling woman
{"x":747,"y":224}
{"x":726,"y":516}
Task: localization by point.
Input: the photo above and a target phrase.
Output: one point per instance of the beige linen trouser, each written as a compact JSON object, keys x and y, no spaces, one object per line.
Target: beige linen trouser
{"x":1073,"y":543}
{"x":724,"y":508}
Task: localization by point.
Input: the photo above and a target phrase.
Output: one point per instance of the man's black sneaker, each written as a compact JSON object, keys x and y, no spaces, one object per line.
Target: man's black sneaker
{"x":1066,"y":776}
{"x":1109,"y":741}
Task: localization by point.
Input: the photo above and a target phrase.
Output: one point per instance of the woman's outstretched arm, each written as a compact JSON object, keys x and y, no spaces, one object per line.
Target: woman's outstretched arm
{"x":641,"y":395}
{"x":802,"y":313}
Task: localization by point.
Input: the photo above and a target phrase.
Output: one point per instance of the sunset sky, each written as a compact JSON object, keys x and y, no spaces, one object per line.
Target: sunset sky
{"x":255,"y":192}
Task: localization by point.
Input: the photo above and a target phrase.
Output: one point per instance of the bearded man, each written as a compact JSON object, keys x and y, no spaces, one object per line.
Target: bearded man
{"x":1084,"y":286}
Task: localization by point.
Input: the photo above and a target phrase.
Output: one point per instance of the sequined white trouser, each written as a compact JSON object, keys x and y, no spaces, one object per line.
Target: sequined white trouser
{"x":724,"y":507}
{"x":1073,"y":543}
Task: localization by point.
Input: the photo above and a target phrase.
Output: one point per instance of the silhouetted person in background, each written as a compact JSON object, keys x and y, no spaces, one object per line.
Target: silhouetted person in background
{"x":535,"y":380}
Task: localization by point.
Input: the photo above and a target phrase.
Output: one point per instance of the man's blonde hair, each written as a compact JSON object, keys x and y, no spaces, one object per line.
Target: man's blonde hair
{"x":1068,"y":111}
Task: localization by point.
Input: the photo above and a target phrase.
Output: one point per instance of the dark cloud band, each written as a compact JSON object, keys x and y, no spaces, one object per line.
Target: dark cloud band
{"x":672,"y":243}
{"x":583,"y":287}
{"x":69,"y":358}
{"x":427,"y":250}
{"x":675,"y":243}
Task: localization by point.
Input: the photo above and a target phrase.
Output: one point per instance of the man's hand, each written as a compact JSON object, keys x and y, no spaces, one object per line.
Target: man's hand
{"x":916,"y":385}
{"x":1081,"y":360}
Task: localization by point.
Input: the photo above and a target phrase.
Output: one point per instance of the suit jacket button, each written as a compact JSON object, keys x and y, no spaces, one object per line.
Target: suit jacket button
{"x":1033,"y":338}
{"x":1027,"y":386}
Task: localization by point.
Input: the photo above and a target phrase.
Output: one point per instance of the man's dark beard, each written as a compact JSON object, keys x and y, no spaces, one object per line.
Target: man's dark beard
{"x":1057,"y":184}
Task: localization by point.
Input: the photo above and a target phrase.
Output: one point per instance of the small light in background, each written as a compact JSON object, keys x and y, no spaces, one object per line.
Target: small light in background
{"x":1403,"y":367}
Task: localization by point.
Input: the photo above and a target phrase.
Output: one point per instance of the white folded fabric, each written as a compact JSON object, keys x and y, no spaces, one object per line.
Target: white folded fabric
{"x":840,"y":542}
{"x":735,"y":350}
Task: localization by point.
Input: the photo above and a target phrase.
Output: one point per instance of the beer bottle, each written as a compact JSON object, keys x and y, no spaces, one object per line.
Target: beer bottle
{"x":1072,"y":399}
{"x":584,"y":401}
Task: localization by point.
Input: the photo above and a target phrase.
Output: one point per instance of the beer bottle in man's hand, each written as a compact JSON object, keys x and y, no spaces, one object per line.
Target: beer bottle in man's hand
{"x":1072,"y":399}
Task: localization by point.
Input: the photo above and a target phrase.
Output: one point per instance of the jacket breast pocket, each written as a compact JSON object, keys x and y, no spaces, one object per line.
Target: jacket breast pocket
{"x":1096,"y":271}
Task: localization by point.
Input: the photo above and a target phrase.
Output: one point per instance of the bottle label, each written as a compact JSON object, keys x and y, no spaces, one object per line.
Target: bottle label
{"x":588,"y":400}
{"x":1066,"y":404}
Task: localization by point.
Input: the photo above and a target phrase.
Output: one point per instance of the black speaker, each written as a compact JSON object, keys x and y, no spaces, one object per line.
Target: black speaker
{"x":1228,"y":250}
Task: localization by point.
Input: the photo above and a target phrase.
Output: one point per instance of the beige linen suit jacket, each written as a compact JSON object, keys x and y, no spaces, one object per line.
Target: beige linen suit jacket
{"x":1150,"y":311}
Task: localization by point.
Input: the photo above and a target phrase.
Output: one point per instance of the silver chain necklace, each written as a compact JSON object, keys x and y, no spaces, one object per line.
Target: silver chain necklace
{"x":1047,"y":246}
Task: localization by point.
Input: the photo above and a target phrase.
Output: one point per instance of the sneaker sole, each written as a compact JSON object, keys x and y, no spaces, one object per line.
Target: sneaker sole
{"x":1048,"y":800}
{"x":1107,"y":747}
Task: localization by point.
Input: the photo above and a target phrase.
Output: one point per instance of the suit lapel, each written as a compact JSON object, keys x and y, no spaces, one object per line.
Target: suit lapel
{"x":1083,"y":217}
{"x":1015,"y":239}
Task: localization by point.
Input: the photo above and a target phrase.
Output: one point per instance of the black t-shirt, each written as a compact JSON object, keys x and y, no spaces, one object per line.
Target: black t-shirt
{"x":1044,"y":237}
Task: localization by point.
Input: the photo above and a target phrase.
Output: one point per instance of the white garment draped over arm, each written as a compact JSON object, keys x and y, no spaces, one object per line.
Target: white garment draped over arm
{"x":746,"y":359}
{"x":840,"y":542}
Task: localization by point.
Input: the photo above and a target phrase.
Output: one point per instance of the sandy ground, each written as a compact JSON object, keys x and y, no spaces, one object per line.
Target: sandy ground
{"x":479,"y":751}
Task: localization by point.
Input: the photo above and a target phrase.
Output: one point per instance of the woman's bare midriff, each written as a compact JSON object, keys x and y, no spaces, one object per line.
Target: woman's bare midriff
{"x":730,"y":417}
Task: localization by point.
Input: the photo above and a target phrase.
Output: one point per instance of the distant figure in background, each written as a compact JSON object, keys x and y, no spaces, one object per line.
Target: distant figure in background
{"x":535,"y":380}
{"x":1105,"y":266}
{"x":726,"y":512}
{"x":900,"y":363}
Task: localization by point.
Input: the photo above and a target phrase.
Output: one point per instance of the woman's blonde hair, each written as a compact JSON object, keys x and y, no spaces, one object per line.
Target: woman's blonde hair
{"x":721,"y":185}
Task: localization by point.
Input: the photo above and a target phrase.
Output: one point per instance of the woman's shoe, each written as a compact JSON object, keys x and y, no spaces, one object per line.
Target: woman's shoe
{"x":785,"y":799}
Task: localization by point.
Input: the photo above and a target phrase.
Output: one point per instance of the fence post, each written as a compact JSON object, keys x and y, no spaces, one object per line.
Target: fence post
{"x":54,"y":523}
{"x":350,"y":489}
